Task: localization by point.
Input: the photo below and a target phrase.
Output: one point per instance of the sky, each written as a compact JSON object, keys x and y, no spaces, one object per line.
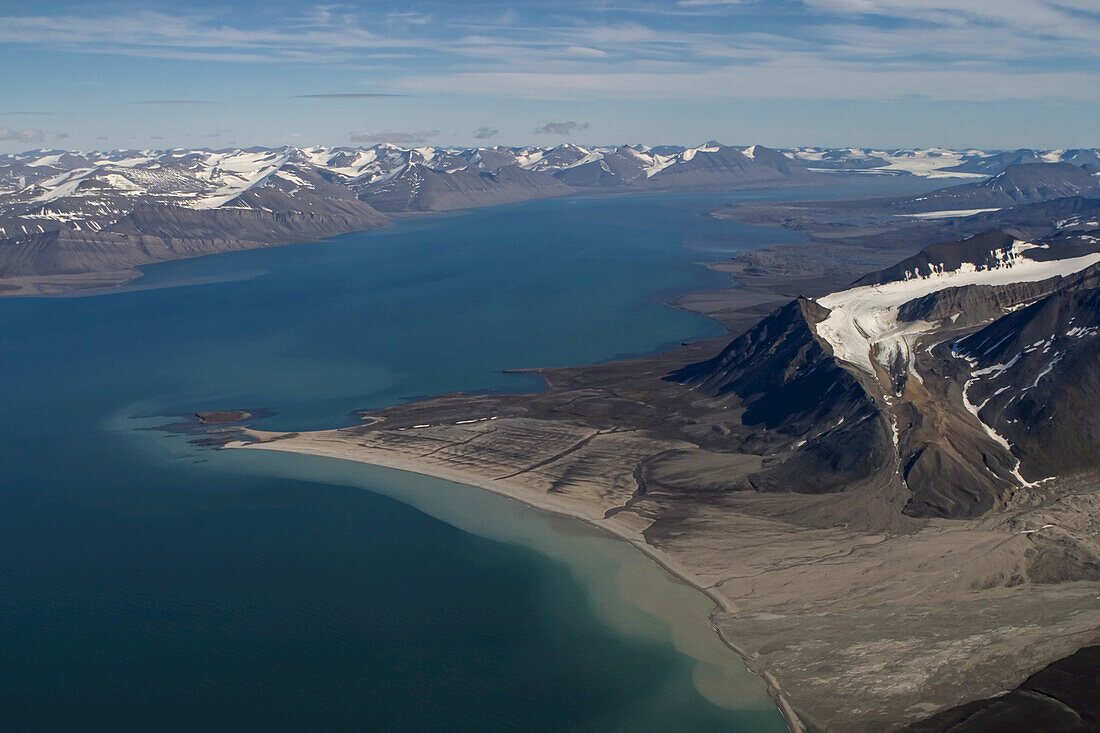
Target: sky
{"x":992,"y":74}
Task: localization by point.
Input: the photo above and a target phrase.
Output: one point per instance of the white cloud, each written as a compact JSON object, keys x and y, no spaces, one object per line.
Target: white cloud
{"x":942,"y":49}
{"x":27,"y":135}
{"x":585,"y":51}
{"x":1032,"y":17}
{"x":790,"y":77}
{"x":561,"y":128}
{"x":397,"y":138}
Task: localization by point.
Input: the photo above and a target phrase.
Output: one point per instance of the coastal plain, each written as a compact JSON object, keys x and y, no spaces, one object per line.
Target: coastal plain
{"x":858,"y":617}
{"x":870,"y":544}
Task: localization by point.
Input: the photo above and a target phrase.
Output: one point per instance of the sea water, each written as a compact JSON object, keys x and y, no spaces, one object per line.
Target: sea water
{"x":148,"y":583}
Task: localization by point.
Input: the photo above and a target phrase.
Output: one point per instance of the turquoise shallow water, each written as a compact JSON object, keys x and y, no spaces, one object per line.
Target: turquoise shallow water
{"x":146,"y":583}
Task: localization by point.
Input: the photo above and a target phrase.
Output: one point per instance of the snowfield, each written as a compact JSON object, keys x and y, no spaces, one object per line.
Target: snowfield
{"x":926,"y":162}
{"x":933,"y":162}
{"x":92,"y":190}
{"x":948,"y":214}
{"x":863,"y":328}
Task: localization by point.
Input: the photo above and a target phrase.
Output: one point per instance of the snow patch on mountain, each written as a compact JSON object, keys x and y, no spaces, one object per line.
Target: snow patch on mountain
{"x":948,"y":213}
{"x":932,"y":162}
{"x":863,"y":328}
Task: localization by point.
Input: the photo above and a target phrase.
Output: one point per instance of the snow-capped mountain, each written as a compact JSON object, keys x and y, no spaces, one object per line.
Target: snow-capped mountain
{"x":65,"y":215}
{"x":41,"y":190}
{"x":936,"y":162}
{"x":90,"y":190}
{"x":72,"y":213}
{"x":965,"y":372}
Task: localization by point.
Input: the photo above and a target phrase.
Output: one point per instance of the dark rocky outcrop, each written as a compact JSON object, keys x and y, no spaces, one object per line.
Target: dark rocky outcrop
{"x":789,"y":383}
{"x":1063,"y":697}
{"x":973,"y":304}
{"x":982,"y":250}
{"x":1036,"y":382}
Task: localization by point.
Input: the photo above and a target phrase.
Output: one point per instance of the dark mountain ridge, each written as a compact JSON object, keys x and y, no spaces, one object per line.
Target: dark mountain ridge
{"x":789,"y":383}
{"x":1035,"y":379}
{"x":964,"y":432}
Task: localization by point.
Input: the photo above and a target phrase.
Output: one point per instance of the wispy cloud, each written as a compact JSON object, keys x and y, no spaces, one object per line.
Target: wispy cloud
{"x":329,"y":37}
{"x":347,"y":95}
{"x":561,"y":128}
{"x":177,"y":102}
{"x":27,"y":135}
{"x":943,"y":49}
{"x":412,"y":18}
{"x":397,"y":138}
{"x":484,"y":133}
{"x":790,"y":78}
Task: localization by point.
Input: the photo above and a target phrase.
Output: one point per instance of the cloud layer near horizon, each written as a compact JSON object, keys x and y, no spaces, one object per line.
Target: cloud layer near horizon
{"x":943,"y":49}
{"x":781,"y":72}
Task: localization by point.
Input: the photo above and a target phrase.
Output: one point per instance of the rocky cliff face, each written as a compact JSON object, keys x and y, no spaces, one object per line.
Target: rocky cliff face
{"x":980,"y":251}
{"x":789,"y":383}
{"x":967,"y":371}
{"x":1034,"y":380}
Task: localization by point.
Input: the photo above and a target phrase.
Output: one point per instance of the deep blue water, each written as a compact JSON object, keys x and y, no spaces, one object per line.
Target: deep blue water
{"x":146,"y":583}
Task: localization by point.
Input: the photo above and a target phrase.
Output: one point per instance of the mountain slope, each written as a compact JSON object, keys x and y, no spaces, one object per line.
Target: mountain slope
{"x":420,"y":188}
{"x":788,"y":382}
{"x":1034,"y":380}
{"x":65,"y":214}
{"x":959,"y":426}
{"x":1017,"y":184}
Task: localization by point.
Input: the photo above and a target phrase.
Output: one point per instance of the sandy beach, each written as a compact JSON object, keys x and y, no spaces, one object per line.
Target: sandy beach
{"x":857,"y":616}
{"x":516,"y":490}
{"x":853,"y":628}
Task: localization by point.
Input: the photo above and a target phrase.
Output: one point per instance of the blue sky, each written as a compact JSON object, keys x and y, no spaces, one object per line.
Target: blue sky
{"x":983,"y":73}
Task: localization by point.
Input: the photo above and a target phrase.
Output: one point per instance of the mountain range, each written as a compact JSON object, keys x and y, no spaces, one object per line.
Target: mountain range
{"x":888,"y":483}
{"x":76,"y":220}
{"x":938,"y":162}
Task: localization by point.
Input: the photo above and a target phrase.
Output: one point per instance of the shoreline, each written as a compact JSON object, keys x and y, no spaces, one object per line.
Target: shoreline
{"x":905,"y":622}
{"x":607,"y":526}
{"x":795,"y":596}
{"x":106,"y":282}
{"x":680,"y":300}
